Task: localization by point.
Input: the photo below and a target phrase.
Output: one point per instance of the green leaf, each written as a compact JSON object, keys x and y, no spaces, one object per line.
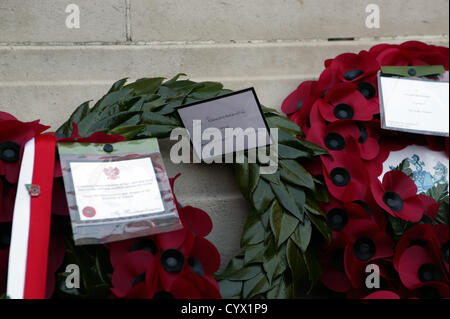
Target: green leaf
{"x":273,"y":261}
{"x":302,"y":235}
{"x":315,"y":149}
{"x":112,"y":121}
{"x":118,"y":85}
{"x":292,"y":172}
{"x":129,"y":132}
{"x":281,"y":223}
{"x":257,"y":285}
{"x":253,"y":232}
{"x":230,"y":289}
{"x":299,"y":197}
{"x":312,"y":207}
{"x":262,"y":196}
{"x":174,"y":79}
{"x":273,"y":178}
{"x":288,"y":152}
{"x":116,"y":97}
{"x":153,"y":130}
{"x":145,"y":85}
{"x":254,"y":253}
{"x":242,"y":273}
{"x":206,"y":90}
{"x":76,"y":117}
{"x":241,"y":171}
{"x":297,"y":265}
{"x":321,"y":224}
{"x":282,"y":288}
{"x":284,"y":124}
{"x":313,"y":266}
{"x":253,"y":176}
{"x":154,"y":118}
{"x":286,"y":200}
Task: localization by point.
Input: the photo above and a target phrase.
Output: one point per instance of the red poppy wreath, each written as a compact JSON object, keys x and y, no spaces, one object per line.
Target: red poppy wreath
{"x":179,"y":264}
{"x":384,"y":221}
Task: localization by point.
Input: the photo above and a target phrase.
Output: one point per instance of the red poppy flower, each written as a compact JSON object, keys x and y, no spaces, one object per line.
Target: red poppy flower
{"x":410,"y":53}
{"x":432,"y":290}
{"x":181,"y":272}
{"x":442,"y":239}
{"x":367,"y":243}
{"x":420,"y":235}
{"x":13,"y":136}
{"x":345,"y":102}
{"x":332,"y":262}
{"x":430,"y":208}
{"x":375,"y":213}
{"x":301,"y":99}
{"x":340,"y":214}
{"x":398,"y":196}
{"x":345,"y":176}
{"x":349,"y":67}
{"x":418,"y":265}
{"x":383,"y":294}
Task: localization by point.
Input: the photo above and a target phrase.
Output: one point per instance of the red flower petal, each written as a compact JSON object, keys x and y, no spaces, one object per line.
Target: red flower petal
{"x":205,"y":252}
{"x":399,"y":182}
{"x":196,"y":220}
{"x":383,"y":294}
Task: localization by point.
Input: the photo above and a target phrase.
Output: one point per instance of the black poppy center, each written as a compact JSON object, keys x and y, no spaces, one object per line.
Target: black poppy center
{"x":196,"y":266}
{"x":340,"y":176}
{"x":145,"y":244}
{"x":429,"y":272}
{"x":393,"y":201}
{"x":9,"y":152}
{"x":428,"y":293}
{"x":334,"y":141}
{"x":367,"y":90}
{"x":445,"y":251}
{"x":139,"y":278}
{"x":337,"y":219}
{"x":343,"y":112}
{"x":352,"y":74}
{"x":364,"y":248}
{"x":363,"y":133}
{"x":172,"y":260}
{"x":337,"y":259}
{"x":162,"y":294}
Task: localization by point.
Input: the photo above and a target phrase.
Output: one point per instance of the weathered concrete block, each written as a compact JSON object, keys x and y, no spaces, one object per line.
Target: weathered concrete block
{"x":45,"y":21}
{"x":237,"y":20}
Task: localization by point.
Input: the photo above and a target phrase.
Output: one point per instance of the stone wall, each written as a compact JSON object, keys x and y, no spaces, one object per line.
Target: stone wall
{"x":47,"y":69}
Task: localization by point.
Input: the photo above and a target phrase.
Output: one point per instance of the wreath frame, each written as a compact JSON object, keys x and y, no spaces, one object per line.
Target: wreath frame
{"x":279,"y":248}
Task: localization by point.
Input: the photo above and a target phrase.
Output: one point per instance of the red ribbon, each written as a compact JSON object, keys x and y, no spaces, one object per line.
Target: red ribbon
{"x":40,"y":218}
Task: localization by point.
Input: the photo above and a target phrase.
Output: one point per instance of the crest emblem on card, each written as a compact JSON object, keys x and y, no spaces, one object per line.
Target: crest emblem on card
{"x":89,"y":211}
{"x":112,"y":172}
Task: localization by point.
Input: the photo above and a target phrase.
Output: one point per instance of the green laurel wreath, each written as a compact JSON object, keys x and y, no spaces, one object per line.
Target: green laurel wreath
{"x":278,"y":257}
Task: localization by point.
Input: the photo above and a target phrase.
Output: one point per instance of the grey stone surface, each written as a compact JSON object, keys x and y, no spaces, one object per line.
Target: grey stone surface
{"x":237,"y":20}
{"x":23,"y":21}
